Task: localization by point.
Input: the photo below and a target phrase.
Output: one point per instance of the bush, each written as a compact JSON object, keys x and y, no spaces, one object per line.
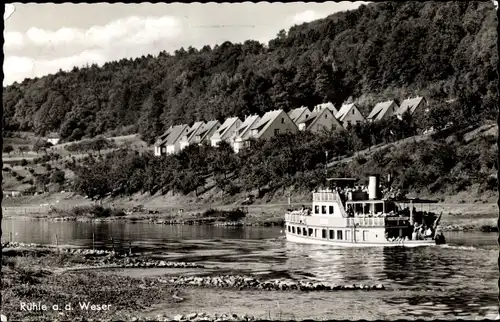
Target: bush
{"x":24,"y":162}
{"x":6,"y":169}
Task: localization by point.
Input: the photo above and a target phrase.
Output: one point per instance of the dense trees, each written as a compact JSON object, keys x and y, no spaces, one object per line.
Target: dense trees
{"x":377,"y":52}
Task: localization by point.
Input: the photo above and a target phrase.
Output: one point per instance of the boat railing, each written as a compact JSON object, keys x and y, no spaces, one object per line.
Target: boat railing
{"x":366,"y":222}
{"x":295,"y":217}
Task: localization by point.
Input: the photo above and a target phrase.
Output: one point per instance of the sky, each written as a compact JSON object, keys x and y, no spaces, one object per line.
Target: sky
{"x":40,"y":39}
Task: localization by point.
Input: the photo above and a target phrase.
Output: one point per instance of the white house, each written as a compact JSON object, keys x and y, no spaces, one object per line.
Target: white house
{"x":53,"y":138}
{"x":190,"y":135}
{"x":208,"y":129}
{"x":321,"y":118}
{"x":160,"y":142}
{"x":226,"y":131}
{"x":273,"y":123}
{"x":170,"y":140}
{"x":411,"y":105}
{"x":240,"y":138}
{"x":383,"y":111}
{"x":299,"y":114}
{"x":328,"y":105}
{"x":349,"y":114}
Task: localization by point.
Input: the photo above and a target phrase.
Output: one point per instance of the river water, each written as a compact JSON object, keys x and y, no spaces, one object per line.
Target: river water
{"x":455,"y":280}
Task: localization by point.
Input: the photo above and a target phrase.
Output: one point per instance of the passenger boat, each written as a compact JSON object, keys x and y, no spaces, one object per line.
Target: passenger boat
{"x":344,"y":215}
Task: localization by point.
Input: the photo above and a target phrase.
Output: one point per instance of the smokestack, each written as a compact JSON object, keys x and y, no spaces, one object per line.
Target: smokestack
{"x":373,"y":187}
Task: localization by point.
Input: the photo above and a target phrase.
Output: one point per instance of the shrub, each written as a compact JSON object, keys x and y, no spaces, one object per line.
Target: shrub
{"x":6,"y":169}
{"x":24,"y":162}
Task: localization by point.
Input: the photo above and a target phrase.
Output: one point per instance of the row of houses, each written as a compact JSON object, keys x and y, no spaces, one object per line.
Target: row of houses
{"x":238,"y":133}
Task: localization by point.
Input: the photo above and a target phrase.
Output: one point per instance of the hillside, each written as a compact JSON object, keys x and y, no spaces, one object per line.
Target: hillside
{"x":380,"y":51}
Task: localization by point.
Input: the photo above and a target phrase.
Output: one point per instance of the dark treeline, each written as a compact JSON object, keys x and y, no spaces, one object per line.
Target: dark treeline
{"x":299,"y":162}
{"x":380,"y":51}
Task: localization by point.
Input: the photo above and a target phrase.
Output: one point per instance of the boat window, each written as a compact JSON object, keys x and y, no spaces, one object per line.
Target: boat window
{"x":315,"y":233}
{"x":339,"y":234}
{"x":310,"y":231}
{"x":289,"y":229}
{"x":304,"y":232}
{"x":331,"y":210}
{"x":365,"y":234}
{"x":293,"y":229}
{"x":323,"y":210}
{"x":323,"y":233}
{"x":332,"y":234}
{"x":316,"y":210}
{"x":347,"y":236}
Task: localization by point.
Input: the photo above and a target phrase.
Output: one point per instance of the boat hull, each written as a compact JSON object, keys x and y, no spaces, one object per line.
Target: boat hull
{"x":310,"y":240}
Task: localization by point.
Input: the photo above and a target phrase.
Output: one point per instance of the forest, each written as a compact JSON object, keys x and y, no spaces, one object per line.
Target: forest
{"x":381,"y":51}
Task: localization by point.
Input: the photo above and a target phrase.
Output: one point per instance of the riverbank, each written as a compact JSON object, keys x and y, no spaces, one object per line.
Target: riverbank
{"x":450,"y":221}
{"x":52,"y":283}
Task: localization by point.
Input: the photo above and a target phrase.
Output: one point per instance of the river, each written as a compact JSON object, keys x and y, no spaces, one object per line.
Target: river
{"x":458,"y":279}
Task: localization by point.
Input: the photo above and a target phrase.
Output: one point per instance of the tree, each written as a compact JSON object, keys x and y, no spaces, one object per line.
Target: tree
{"x":23,"y":149}
{"x":8,"y":149}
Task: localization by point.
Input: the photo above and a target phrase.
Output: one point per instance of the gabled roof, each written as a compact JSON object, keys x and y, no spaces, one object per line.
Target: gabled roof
{"x":312,"y":117}
{"x":174,"y":134}
{"x":162,"y":137}
{"x":265,"y":122}
{"x":295,"y":114}
{"x":316,"y":115}
{"x":410,"y":105}
{"x":222,"y":130}
{"x":205,"y":130}
{"x":328,"y":105}
{"x":379,"y":110}
{"x":344,"y":110}
{"x":243,"y":131}
{"x":190,"y":135}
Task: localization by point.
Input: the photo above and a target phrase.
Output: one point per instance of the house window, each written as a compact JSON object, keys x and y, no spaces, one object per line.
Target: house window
{"x":353,"y":112}
{"x":323,"y":210}
{"x":349,"y":123}
{"x":316,"y":210}
{"x":326,"y":116}
{"x":332,"y":234}
{"x":331,"y":210}
{"x":323,"y":233}
{"x":358,"y":122}
{"x":339,"y":234}
{"x":276,"y":131}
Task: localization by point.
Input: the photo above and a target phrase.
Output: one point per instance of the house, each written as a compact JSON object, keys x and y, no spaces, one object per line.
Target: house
{"x":273,"y":123}
{"x":161,"y":140}
{"x":411,"y":105}
{"x":226,"y":131}
{"x":328,"y":105}
{"x":169,"y":142}
{"x":190,"y":136}
{"x":349,"y":114}
{"x":53,"y":138}
{"x":383,"y":111}
{"x":208,"y":129}
{"x":299,"y":114}
{"x":240,"y":138}
{"x":321,"y":118}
